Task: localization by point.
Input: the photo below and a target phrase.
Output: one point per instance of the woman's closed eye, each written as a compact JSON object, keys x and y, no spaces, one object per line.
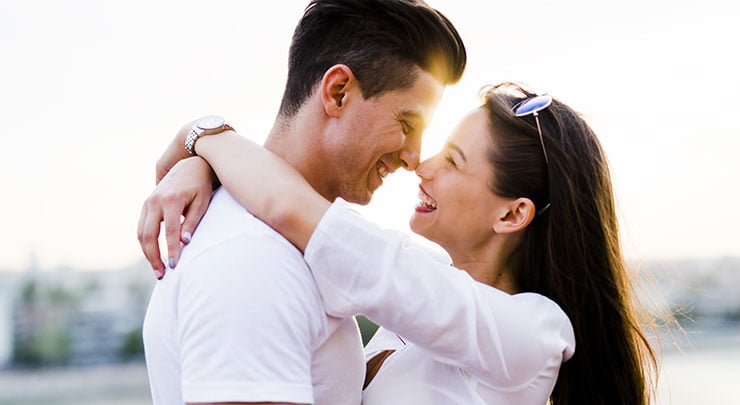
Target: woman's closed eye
{"x":454,"y":155}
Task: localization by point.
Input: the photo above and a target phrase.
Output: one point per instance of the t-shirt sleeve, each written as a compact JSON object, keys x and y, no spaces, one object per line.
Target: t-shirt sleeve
{"x":247,"y":314}
{"x":505,"y":340}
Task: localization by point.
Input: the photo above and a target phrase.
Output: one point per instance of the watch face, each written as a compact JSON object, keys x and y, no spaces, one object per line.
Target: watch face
{"x":210,"y":122}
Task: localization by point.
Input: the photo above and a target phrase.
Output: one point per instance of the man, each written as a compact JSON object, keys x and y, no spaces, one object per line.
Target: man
{"x":242,"y":321}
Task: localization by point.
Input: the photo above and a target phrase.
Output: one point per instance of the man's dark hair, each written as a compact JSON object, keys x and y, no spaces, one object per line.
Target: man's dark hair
{"x":382,"y":41}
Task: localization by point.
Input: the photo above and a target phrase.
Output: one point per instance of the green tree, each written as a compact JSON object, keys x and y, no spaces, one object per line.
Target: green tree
{"x":367,"y":328}
{"x":132,"y":346}
{"x":50,"y":347}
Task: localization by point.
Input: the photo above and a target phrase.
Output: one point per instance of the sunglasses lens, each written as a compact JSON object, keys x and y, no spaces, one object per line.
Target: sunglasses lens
{"x":533,"y":104}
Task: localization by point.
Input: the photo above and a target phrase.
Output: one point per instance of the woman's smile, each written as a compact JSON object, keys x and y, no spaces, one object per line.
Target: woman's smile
{"x":426,"y":202}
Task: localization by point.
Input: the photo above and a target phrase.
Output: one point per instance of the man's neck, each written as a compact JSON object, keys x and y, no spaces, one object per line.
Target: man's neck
{"x":303,"y":151}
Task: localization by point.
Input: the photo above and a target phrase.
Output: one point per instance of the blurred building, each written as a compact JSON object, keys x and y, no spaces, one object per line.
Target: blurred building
{"x":67,"y":317}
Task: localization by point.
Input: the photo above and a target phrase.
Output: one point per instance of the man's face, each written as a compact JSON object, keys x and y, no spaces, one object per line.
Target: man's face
{"x":378,"y":135}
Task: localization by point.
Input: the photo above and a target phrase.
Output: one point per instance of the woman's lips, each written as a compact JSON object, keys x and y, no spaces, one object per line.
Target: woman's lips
{"x":426,"y":202}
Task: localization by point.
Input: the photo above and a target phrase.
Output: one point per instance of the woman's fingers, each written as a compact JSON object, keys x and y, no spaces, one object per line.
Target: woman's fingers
{"x":148,"y":234}
{"x":173,"y":210}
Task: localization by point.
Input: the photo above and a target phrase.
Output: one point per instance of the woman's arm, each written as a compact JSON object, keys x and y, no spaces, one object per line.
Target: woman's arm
{"x":270,"y":188}
{"x":267,"y":186}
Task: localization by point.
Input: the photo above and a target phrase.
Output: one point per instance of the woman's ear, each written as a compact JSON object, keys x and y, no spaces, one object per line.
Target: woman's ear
{"x":517,"y":217}
{"x":335,"y":85}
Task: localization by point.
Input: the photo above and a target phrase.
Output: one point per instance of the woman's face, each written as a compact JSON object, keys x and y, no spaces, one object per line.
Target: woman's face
{"x":457,"y":209}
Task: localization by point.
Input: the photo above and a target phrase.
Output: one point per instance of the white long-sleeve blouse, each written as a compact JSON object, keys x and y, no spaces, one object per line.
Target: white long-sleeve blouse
{"x":457,"y":341}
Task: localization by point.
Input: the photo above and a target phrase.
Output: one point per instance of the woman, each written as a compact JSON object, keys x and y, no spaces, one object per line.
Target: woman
{"x":521,"y":199}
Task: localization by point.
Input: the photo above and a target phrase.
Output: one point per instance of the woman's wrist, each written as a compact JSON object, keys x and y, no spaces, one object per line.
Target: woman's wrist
{"x":174,"y":153}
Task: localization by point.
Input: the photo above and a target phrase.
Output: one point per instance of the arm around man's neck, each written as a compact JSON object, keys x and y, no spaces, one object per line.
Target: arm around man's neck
{"x":266,"y":185}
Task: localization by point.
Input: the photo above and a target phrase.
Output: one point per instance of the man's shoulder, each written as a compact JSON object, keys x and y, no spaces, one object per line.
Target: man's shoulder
{"x":240,"y":248}
{"x":232,"y":248}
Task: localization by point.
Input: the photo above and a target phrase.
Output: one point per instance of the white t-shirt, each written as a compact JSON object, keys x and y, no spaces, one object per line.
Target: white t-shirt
{"x":240,"y":319}
{"x":459,"y":341}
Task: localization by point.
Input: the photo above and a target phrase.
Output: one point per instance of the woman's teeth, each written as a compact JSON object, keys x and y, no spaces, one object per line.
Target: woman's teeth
{"x":426,"y":201}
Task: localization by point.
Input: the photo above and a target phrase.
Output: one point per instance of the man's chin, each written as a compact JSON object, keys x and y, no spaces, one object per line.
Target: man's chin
{"x":358,"y":197}
{"x":362,"y":201}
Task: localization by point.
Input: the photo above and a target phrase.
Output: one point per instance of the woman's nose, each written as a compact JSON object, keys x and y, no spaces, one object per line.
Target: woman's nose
{"x":425,"y":168}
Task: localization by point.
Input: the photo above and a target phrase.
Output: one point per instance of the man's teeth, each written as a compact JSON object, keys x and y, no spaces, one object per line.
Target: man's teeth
{"x":426,"y":201}
{"x":382,"y":171}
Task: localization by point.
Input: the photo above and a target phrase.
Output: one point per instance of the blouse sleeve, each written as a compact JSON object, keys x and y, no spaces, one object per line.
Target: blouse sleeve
{"x":505,"y":340}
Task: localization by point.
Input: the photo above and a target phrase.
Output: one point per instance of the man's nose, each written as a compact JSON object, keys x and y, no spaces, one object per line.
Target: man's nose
{"x":410,"y":153}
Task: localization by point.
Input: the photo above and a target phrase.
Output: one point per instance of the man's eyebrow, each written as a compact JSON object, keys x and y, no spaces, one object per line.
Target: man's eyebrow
{"x":457,"y":149}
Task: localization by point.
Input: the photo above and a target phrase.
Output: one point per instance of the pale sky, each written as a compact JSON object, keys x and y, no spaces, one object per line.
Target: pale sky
{"x":92,"y":91}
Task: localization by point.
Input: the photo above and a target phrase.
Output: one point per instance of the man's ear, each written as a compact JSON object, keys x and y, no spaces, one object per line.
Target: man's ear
{"x":335,"y":85}
{"x":518,"y":214}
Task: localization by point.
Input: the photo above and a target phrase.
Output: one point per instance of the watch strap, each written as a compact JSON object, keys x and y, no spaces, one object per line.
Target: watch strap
{"x":196,"y":132}
{"x":193,"y":136}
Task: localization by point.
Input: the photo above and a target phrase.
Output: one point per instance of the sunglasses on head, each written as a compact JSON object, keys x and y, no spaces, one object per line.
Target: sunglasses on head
{"x":533,"y":105}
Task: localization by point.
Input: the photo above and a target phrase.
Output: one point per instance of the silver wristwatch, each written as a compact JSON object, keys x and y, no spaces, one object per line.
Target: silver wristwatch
{"x":208,"y":125}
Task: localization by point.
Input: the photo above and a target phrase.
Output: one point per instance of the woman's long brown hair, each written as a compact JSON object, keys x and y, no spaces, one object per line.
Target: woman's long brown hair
{"x":571,"y":251}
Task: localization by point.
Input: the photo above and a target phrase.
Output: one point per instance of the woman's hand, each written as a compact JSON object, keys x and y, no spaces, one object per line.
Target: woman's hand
{"x":180,"y":200}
